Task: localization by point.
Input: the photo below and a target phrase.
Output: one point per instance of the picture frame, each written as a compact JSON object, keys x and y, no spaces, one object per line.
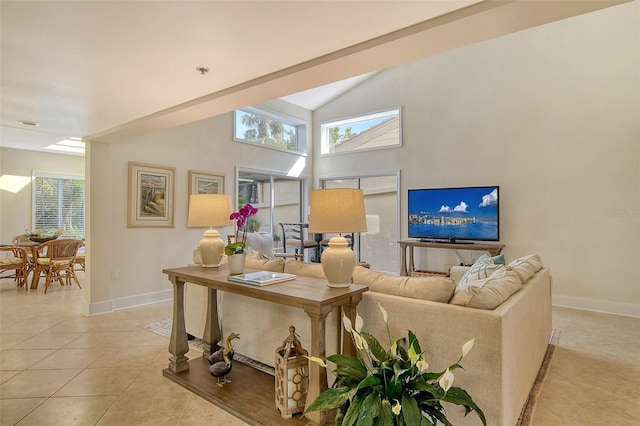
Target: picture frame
{"x":150,"y":196}
{"x":205,"y":183}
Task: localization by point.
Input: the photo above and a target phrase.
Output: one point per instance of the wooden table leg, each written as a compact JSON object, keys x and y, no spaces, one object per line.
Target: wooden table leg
{"x":317,"y":374}
{"x":178,"y":345}
{"x":212,"y":333}
{"x":403,"y":255}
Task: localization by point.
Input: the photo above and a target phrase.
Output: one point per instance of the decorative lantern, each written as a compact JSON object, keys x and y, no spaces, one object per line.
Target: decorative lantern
{"x":292,"y":376}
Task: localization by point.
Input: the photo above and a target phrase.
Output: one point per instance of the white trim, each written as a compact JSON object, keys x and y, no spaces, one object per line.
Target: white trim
{"x":604,"y":306}
{"x":127,"y":302}
{"x":142,"y":299}
{"x":97,"y":308}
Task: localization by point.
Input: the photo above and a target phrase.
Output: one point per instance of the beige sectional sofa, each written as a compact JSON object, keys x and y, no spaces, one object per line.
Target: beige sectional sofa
{"x":510,"y":340}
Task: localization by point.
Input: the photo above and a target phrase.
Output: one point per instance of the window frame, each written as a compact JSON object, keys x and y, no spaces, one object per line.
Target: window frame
{"x":326,"y":124}
{"x":301,"y":127}
{"x":55,"y":175}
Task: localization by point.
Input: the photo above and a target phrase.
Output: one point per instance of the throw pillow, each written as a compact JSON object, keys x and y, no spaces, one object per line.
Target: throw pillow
{"x":481,"y":269}
{"x":261,"y":242}
{"x":434,"y":288}
{"x":526,"y":266}
{"x":488,"y":293}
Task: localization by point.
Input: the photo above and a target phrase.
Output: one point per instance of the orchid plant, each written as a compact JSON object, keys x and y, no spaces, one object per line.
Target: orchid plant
{"x":390,"y":387}
{"x":240,"y":217}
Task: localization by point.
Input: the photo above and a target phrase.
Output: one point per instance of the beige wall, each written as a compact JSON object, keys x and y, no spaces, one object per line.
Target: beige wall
{"x":551,"y":115}
{"x":15,"y":207}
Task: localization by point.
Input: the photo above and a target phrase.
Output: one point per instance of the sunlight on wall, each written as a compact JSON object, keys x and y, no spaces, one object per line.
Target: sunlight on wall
{"x":297,"y":168}
{"x":12,"y":183}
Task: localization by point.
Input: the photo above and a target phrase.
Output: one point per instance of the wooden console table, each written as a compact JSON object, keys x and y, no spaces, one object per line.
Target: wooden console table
{"x":493,"y":249}
{"x":310,"y":294}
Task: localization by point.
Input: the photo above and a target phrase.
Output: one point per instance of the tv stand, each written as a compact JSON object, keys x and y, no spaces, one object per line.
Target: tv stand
{"x":492,"y":249}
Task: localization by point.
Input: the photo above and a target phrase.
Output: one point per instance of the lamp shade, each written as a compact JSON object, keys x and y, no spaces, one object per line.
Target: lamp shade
{"x":206,"y":210}
{"x":337,"y":210}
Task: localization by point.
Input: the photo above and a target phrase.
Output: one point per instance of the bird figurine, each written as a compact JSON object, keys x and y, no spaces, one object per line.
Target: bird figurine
{"x":221,"y":368}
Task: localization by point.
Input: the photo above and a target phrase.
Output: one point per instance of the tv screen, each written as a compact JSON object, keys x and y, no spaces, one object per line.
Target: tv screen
{"x":451,"y":214}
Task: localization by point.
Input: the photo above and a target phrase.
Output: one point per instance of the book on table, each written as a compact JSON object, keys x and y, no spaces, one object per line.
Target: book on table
{"x":261,"y":278}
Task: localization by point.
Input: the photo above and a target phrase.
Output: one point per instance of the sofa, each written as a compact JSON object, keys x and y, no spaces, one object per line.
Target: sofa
{"x":511,"y":327}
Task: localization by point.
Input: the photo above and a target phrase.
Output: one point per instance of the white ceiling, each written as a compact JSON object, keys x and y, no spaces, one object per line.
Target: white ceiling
{"x":105,"y":70}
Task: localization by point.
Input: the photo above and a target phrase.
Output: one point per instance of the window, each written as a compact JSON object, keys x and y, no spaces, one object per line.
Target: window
{"x":59,"y":203}
{"x":269,"y":129}
{"x":369,"y":131}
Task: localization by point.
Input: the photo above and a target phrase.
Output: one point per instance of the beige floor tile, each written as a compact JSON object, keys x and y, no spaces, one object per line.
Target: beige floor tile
{"x":9,"y":340}
{"x":12,"y":410}
{"x":22,"y":359}
{"x":198,"y":411}
{"x":69,"y":411}
{"x":117,"y":339}
{"x":140,"y":356}
{"x":36,"y":383}
{"x":7,"y":374}
{"x":48,"y":341}
{"x":100,"y":381}
{"x":69,"y":358}
{"x":152,"y":407}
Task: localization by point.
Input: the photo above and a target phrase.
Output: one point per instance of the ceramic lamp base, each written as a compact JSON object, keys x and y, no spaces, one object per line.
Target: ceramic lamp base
{"x":211,"y":249}
{"x":338,"y":262}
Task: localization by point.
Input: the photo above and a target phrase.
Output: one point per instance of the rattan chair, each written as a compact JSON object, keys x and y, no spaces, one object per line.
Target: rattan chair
{"x":17,"y":262}
{"x":56,"y":259}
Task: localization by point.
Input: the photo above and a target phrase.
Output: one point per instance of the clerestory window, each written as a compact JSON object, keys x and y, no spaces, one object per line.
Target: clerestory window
{"x":265,"y":128}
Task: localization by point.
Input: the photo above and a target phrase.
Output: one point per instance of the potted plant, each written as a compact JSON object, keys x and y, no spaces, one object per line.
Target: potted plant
{"x":390,"y":387}
{"x":237,"y":248}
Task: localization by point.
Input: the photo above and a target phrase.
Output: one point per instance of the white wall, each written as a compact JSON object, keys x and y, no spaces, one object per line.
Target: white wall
{"x":551,"y":115}
{"x":128,"y":269}
{"x":15,"y":207}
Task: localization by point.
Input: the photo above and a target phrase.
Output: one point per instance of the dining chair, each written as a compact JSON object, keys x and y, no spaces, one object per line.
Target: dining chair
{"x":294,"y":236}
{"x":81,"y":256}
{"x":17,"y":262}
{"x":56,"y":259}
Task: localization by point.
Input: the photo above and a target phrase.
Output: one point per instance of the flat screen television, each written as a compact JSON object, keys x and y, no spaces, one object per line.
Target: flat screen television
{"x":455,"y":215}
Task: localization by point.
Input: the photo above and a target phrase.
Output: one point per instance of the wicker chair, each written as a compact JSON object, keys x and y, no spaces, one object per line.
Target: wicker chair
{"x":56,"y":259}
{"x":17,"y":262}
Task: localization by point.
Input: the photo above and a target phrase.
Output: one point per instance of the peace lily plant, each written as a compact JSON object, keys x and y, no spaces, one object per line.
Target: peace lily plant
{"x":380,"y":387}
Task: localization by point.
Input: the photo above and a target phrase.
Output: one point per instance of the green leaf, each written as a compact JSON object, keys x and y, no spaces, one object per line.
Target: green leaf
{"x":330,"y":399}
{"x":459,"y":396}
{"x":234,"y":248}
{"x":413,"y":342}
{"x":374,"y":346}
{"x":368,"y":382}
{"x":346,"y":361}
{"x":386,"y":416}
{"x":353,"y":412}
{"x":410,"y":411}
{"x":394,"y":388}
{"x":369,"y":409}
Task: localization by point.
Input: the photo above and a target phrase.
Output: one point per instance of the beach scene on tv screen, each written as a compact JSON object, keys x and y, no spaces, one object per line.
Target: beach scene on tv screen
{"x":454,"y":213}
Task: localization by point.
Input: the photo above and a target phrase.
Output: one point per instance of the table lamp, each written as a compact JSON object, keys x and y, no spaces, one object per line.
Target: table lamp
{"x":210,"y":210}
{"x":337,"y":210}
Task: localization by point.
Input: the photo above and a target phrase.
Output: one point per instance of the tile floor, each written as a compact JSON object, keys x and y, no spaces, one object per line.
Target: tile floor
{"x":58,"y":367}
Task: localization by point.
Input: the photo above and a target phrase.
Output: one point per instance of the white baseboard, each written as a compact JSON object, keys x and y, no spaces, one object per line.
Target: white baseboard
{"x":127,"y":302}
{"x":616,"y":308}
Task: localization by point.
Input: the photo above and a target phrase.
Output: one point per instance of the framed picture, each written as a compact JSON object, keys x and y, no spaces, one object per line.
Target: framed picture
{"x":151,"y":190}
{"x":205,"y":183}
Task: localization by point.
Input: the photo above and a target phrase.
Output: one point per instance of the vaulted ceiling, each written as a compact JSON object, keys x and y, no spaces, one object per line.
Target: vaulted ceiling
{"x":109,"y":70}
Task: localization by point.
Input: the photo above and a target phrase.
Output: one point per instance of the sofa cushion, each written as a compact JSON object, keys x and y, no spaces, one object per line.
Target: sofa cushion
{"x":490,"y":292}
{"x":434,"y":288}
{"x":526,"y":266}
{"x":275,"y":265}
{"x":298,"y":267}
{"x":481,"y":269}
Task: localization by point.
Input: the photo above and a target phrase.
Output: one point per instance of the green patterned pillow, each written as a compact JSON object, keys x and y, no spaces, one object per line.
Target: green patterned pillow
{"x":483,"y":268}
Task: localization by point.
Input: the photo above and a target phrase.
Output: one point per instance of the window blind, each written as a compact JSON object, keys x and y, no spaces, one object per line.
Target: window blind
{"x":59,"y":203}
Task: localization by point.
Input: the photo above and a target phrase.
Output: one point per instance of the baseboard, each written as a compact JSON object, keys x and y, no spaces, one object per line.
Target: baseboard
{"x":127,"y":302}
{"x":142,"y":299}
{"x":616,"y":308}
